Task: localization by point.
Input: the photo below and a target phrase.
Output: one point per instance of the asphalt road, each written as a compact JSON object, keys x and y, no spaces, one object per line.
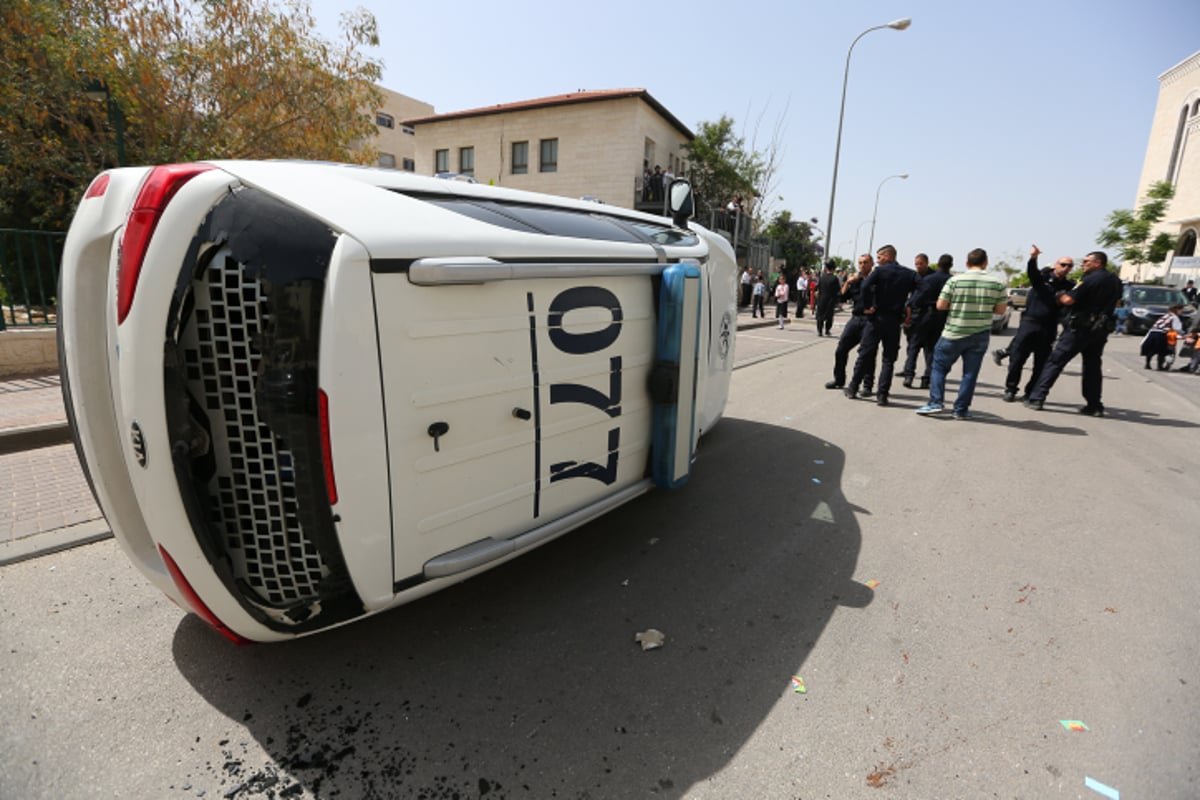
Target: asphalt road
{"x":1032,"y":568}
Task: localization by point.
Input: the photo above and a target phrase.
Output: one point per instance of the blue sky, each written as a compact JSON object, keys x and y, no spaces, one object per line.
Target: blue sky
{"x":1018,"y":122}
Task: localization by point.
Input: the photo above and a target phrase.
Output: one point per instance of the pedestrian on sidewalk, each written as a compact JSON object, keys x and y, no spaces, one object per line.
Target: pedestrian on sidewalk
{"x":828,"y":289}
{"x":781,"y":301}
{"x":760,"y":293}
{"x":970,"y":300}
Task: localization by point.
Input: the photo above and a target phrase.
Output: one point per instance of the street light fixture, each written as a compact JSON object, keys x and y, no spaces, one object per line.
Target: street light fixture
{"x":897,"y":25}
{"x":97,"y":91}
{"x":856,"y":233}
{"x":902,"y":176}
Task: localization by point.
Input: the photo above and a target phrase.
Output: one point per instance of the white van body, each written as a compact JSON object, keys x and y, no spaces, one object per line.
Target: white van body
{"x":308,"y":392}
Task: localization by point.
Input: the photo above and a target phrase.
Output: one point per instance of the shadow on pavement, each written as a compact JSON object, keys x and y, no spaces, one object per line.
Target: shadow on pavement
{"x":526,"y":680}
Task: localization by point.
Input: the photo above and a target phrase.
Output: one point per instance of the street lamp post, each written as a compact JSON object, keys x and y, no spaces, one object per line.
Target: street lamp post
{"x":903,"y":176}
{"x":898,"y":25}
{"x":98,"y":91}
{"x":856,"y":233}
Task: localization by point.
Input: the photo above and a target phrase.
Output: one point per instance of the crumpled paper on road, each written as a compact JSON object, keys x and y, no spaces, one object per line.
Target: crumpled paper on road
{"x":650,"y":639}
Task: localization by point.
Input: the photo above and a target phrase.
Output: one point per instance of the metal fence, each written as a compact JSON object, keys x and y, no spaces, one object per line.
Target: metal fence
{"x":29,"y":263}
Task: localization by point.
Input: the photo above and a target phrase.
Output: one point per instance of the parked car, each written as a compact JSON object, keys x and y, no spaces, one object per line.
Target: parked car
{"x":1148,"y":302}
{"x":1000,"y":321}
{"x":303,"y":393}
{"x":1017,"y":297}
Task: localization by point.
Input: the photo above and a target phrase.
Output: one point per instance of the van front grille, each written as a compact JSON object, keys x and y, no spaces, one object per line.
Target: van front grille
{"x":252,"y":495}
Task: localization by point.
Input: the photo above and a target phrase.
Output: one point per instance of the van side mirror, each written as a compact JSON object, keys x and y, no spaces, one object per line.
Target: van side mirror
{"x":680,"y":202}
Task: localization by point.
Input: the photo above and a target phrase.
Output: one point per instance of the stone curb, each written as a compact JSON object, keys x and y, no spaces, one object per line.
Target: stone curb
{"x":31,"y":437}
{"x":41,"y":544}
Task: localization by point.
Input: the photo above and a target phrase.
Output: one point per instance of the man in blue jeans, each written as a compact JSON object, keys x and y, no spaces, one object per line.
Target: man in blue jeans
{"x":969,"y":299}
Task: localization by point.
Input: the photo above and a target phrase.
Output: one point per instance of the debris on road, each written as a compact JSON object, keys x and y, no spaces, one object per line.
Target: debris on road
{"x":1097,"y":786}
{"x":798,"y":685}
{"x":650,"y":639}
{"x":1074,"y":725}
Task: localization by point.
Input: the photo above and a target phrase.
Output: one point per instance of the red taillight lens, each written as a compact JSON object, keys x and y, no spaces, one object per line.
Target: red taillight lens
{"x":97,"y":187}
{"x":195,"y":603}
{"x":157,"y":190}
{"x":327,"y":447}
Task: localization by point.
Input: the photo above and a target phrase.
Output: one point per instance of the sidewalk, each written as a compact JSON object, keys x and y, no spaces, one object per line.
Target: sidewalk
{"x":45,"y":502}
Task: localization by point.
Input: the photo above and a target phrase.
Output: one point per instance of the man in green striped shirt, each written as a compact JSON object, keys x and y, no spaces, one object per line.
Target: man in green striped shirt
{"x":970,"y":300}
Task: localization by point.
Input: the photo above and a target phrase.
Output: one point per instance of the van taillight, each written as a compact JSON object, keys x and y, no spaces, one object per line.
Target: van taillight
{"x":195,"y":604}
{"x":159,"y":187}
{"x":98,"y":187}
{"x":326,"y":446}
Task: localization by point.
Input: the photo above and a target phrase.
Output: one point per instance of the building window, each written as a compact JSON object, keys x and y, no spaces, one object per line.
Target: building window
{"x":387,"y":160}
{"x":408,"y":129}
{"x":410,"y":165}
{"x":1187,"y":244}
{"x":548,"y":160}
{"x":466,"y":160}
{"x":441,"y":160}
{"x":520,"y":158}
{"x":384,"y":120}
{"x":1183,"y":115}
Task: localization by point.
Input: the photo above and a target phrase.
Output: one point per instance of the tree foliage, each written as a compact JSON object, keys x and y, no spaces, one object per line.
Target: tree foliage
{"x":1128,"y":231}
{"x":189,"y":79}
{"x":794,"y":242}
{"x":719,"y":166}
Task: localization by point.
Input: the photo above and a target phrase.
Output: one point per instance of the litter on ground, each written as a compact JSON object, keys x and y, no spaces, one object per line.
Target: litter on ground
{"x":650,"y":639}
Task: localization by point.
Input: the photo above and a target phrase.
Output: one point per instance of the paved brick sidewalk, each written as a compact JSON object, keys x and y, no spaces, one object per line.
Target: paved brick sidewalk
{"x":30,"y":401}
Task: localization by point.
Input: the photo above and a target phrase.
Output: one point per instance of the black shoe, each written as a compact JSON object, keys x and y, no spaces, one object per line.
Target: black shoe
{"x":1010,"y":397}
{"x":867,"y":392}
{"x":881,"y":400}
{"x":908,"y":383}
{"x":998,"y":357}
{"x":833,"y":385}
{"x":850,"y":393}
{"x":1036,"y":405}
{"x":1092,"y":411}
{"x":924,"y":384}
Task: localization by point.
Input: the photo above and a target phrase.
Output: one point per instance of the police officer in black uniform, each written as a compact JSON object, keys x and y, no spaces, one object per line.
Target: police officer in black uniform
{"x":1091,"y":305}
{"x":925,"y":322}
{"x":1039,"y":322}
{"x":885,"y":292}
{"x":852,"y":332}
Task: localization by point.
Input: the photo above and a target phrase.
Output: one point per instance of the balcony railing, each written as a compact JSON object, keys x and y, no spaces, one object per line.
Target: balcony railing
{"x":29,"y":264}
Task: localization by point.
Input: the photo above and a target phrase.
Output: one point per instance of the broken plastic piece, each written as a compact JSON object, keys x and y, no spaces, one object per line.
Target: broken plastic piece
{"x":1097,"y":786}
{"x":816,"y":480}
{"x":871,"y":584}
{"x":1074,"y":725}
{"x":818,"y":461}
{"x":650,"y":639}
{"x":798,"y":685}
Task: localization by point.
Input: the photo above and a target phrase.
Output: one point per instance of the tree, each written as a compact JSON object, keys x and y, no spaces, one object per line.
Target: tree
{"x":1129,"y":231}
{"x":719,"y":166}
{"x":794,"y":242}
{"x":191,"y":79}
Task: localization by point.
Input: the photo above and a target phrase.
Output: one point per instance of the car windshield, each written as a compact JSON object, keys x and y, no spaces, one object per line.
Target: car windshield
{"x":1157,"y":296}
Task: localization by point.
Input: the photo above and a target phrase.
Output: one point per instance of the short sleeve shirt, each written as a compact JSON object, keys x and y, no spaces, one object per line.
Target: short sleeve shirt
{"x":972,"y":296}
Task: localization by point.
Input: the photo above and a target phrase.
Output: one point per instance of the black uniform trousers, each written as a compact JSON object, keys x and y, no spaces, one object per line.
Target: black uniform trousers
{"x":1033,"y":338}
{"x":882,"y":329}
{"x":824,"y":313}
{"x":921,"y":339}
{"x":852,"y":334}
{"x":1090,"y":345}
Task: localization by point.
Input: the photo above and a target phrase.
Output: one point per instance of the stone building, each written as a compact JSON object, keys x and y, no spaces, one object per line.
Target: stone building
{"x":592,"y":144}
{"x":397,"y":142}
{"x":1173,"y":154}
